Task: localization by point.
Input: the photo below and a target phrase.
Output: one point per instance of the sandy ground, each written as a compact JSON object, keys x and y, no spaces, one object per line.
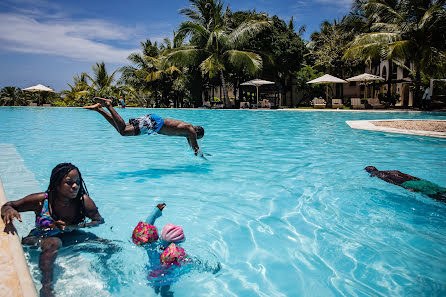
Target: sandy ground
{"x":436,"y":126}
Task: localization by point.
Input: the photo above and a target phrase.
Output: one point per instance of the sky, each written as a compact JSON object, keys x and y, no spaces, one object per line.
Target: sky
{"x":48,"y":42}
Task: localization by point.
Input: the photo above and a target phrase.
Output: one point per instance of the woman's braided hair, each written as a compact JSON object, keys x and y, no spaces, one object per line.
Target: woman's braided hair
{"x":57,"y":174}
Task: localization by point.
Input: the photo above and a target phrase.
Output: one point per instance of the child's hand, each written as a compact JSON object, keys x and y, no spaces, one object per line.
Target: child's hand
{"x":161,"y":206}
{"x":60,"y":224}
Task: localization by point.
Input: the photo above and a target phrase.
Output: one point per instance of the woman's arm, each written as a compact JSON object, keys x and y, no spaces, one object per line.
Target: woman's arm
{"x":92,"y":212}
{"x":11,"y":209}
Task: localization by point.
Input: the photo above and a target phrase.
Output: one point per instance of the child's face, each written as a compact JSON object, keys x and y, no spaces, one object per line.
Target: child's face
{"x":70,"y":184}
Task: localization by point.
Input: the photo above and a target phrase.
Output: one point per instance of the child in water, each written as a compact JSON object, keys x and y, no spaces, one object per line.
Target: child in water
{"x":145,"y":233}
{"x":163,"y":251}
{"x":167,"y":260}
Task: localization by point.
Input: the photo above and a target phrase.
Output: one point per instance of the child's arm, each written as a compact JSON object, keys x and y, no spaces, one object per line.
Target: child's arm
{"x":156,"y":213}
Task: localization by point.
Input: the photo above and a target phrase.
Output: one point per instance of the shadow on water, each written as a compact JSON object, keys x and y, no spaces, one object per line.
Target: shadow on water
{"x":160,"y":172}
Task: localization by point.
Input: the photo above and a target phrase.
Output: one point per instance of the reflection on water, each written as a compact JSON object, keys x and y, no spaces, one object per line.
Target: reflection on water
{"x":283,"y":204}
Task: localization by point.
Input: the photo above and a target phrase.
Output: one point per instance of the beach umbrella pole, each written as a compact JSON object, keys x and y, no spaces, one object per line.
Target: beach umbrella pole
{"x":257,"y":96}
{"x":326,"y":93}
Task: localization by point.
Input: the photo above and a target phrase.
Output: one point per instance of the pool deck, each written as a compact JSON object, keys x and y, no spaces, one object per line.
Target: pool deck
{"x":368,"y":125}
{"x":15,"y":279}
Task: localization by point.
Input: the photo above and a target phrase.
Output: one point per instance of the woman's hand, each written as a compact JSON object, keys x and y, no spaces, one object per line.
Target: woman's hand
{"x":9,"y":214}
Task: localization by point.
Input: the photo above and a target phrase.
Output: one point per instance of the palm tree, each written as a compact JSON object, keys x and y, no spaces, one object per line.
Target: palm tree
{"x":327,"y":46}
{"x":149,"y":73}
{"x":413,"y":30}
{"x":12,"y":96}
{"x":77,"y":95}
{"x":214,"y":45}
{"x":101,"y":80}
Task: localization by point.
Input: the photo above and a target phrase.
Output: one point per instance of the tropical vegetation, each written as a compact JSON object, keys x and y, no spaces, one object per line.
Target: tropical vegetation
{"x":216,"y":47}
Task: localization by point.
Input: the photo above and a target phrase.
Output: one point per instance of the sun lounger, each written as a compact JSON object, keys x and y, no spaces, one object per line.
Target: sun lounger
{"x":266,"y":104}
{"x":46,"y":105}
{"x":374,"y":103}
{"x":206,"y":104}
{"x":336,"y":103}
{"x":33,"y":104}
{"x":356,"y":103}
{"x":244,"y":104}
{"x":319,"y":103}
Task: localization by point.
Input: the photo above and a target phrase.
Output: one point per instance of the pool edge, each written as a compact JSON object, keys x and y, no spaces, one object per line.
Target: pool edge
{"x":19,"y":279}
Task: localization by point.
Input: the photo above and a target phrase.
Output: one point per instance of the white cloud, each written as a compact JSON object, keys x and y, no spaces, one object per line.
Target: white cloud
{"x":340,"y":3}
{"x":82,"y":40}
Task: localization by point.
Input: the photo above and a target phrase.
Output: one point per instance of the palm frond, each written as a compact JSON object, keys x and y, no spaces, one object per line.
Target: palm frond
{"x":246,"y":30}
{"x":380,"y":11}
{"x":249,"y":61}
{"x":211,"y":66}
{"x":184,"y":56}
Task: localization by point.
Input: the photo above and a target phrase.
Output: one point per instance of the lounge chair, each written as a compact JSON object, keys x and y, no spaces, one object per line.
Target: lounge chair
{"x":374,"y":103}
{"x":319,"y":103}
{"x":356,"y":103}
{"x":46,"y":105}
{"x":266,"y":104}
{"x":336,"y":103}
{"x":206,"y":104}
{"x":244,"y":104}
{"x":33,"y":104}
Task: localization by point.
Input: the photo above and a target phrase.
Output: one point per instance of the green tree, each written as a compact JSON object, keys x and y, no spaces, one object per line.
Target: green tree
{"x":149,"y":74}
{"x":327,"y":47}
{"x":12,"y":96}
{"x":101,"y":81}
{"x":79,"y":92}
{"x":214,"y":45}
{"x":405,"y":30}
{"x":282,"y":50}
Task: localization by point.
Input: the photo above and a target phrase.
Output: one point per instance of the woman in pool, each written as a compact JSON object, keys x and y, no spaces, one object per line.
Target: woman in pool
{"x":60,"y":211}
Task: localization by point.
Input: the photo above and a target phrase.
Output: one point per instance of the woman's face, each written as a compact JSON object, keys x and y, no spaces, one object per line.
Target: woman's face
{"x":69,"y":186}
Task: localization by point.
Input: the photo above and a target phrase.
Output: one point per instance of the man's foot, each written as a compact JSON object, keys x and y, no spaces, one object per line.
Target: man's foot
{"x":103,"y":101}
{"x":93,"y":107}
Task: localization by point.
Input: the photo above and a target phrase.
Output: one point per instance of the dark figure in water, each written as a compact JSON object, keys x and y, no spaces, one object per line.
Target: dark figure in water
{"x":409,"y":182}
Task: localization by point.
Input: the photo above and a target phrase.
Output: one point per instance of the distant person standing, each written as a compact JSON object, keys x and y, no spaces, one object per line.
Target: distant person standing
{"x":426,"y":102}
{"x":122,"y":101}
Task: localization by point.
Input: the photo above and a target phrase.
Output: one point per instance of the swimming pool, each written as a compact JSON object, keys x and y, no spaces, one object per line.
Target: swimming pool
{"x":283,"y":203}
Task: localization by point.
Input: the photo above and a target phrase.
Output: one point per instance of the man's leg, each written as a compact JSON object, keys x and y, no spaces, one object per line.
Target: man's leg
{"x":123,"y":128}
{"x":97,"y":107}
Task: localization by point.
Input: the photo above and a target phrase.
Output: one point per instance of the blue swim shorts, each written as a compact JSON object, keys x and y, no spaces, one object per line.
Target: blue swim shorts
{"x":147,"y":124}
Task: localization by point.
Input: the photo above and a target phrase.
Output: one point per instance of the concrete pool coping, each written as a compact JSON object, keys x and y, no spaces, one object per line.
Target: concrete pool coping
{"x":15,"y":279}
{"x":368,"y":125}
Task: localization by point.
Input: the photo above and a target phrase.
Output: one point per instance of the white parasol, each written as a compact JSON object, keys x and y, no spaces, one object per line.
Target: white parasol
{"x":257,"y":83}
{"x":327,"y":79}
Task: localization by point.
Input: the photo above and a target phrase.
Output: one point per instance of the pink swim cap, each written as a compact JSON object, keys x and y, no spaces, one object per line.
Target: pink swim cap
{"x":144,"y":233}
{"x":172,"y":233}
{"x":173,"y":254}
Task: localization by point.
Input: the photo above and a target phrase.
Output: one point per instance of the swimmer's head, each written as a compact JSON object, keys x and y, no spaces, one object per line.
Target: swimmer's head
{"x":370,"y":169}
{"x":200,"y":131}
{"x":173,"y":254}
{"x":172,"y":233}
{"x":144,"y":233}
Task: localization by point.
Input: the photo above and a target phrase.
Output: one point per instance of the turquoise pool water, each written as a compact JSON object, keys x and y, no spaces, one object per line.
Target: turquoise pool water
{"x":283,"y":204}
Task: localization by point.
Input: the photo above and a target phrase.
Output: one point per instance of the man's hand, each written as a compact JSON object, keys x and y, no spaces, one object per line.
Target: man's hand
{"x":161,"y":206}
